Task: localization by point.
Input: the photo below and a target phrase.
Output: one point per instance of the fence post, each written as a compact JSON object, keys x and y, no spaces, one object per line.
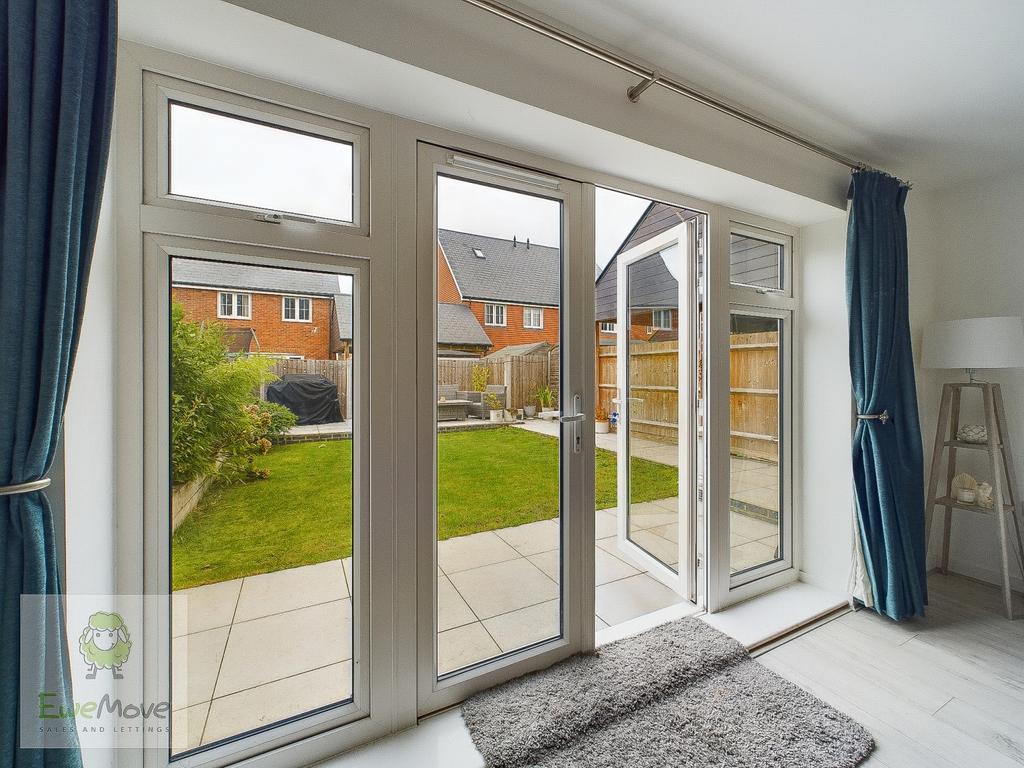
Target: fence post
{"x":508,"y":382}
{"x":347,"y":412}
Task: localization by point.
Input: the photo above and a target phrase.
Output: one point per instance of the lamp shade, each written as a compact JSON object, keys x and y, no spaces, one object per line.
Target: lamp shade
{"x":975,"y":342}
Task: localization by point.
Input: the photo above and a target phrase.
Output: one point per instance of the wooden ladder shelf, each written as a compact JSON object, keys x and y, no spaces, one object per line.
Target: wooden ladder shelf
{"x":1005,"y":495}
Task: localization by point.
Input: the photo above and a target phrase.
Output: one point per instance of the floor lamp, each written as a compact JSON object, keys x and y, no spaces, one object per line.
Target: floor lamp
{"x":970,"y":344}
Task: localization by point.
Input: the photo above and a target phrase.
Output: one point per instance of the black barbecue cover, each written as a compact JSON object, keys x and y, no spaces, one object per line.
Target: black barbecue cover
{"x":313,"y":399}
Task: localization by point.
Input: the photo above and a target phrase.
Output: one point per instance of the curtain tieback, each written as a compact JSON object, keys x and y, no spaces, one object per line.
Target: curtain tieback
{"x":882,"y":417}
{"x":33,"y":485}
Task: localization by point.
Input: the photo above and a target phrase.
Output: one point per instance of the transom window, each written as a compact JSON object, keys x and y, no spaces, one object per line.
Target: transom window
{"x":755,"y":263}
{"x":494,"y":314}
{"x":297,"y":309}
{"x":533,"y":317}
{"x":232,"y":160}
{"x":661,"y":319}
{"x":234,"y":305}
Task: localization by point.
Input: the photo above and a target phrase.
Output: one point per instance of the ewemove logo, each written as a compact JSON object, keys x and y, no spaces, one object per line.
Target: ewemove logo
{"x":105,"y":702}
{"x":105,"y":644}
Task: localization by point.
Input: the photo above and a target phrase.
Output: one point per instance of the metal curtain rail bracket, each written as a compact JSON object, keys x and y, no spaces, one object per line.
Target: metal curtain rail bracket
{"x":651,"y":77}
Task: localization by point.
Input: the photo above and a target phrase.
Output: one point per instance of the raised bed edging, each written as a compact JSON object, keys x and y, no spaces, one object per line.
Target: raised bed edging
{"x":186,"y":497}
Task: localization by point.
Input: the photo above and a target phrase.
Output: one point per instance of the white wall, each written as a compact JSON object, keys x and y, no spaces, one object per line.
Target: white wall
{"x":823,"y":409}
{"x":978,"y":271}
{"x":89,"y":441}
{"x":89,"y":426}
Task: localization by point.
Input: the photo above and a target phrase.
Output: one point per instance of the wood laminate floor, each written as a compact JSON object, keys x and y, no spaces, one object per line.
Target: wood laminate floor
{"x":946,"y":691}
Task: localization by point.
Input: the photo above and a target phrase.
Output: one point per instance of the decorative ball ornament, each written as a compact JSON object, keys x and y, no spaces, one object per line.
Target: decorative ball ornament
{"x":972,"y":433}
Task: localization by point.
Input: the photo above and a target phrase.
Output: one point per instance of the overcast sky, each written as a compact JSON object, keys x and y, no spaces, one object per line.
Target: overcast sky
{"x":482,"y":210}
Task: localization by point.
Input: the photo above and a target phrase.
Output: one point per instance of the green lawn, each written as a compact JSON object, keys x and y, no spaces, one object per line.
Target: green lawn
{"x":302,"y":514}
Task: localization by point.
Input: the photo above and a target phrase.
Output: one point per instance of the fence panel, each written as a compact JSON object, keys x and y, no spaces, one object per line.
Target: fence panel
{"x":654,"y":372}
{"x":335,"y":370}
{"x":523,"y":375}
{"x":754,"y":394}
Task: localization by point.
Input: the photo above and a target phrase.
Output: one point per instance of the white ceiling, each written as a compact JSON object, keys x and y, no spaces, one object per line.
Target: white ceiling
{"x":932,"y":90}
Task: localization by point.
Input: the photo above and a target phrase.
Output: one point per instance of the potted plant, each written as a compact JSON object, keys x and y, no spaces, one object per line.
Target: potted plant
{"x":493,"y":403}
{"x":546,"y":399}
{"x":600,"y":421}
{"x":529,"y":411}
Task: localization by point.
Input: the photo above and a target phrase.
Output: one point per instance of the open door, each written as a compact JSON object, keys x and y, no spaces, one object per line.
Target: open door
{"x":657,"y":403}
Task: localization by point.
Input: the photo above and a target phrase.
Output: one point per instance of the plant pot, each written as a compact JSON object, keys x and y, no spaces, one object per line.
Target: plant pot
{"x":601,"y":427}
{"x":530,"y":411}
{"x":546,"y":409}
{"x":498,"y":415}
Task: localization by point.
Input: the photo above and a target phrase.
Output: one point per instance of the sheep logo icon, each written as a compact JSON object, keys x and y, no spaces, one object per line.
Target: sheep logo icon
{"x":105,"y":644}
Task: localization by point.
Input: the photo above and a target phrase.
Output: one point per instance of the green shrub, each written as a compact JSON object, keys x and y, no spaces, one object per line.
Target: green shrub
{"x":479,"y":376}
{"x":545,"y":396}
{"x":218,"y":425}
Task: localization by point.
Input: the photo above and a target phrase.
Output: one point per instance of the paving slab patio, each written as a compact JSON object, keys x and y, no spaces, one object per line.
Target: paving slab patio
{"x":274,"y":645}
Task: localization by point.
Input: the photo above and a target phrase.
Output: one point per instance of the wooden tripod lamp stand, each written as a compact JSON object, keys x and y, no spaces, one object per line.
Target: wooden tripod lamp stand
{"x":981,"y":342}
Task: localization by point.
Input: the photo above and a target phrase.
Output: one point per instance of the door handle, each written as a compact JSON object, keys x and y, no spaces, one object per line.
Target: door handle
{"x":575,"y":418}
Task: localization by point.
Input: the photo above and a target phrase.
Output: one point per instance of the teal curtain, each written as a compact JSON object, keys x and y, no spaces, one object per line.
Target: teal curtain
{"x":56,"y":92}
{"x":887,"y":462}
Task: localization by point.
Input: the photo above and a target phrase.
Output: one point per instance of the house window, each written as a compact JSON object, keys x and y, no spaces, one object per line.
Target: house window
{"x":661,"y":319}
{"x":533,"y":317}
{"x":234,"y":305}
{"x":494,"y":314}
{"x":297,"y":309}
{"x":608,"y":327}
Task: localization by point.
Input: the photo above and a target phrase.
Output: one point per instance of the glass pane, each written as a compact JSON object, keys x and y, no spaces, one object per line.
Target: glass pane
{"x":261,"y":507}
{"x":653,"y":389}
{"x":498,"y":521}
{"x":231,"y":160}
{"x":755,"y":481}
{"x":755,"y":262}
{"x":623,"y":590}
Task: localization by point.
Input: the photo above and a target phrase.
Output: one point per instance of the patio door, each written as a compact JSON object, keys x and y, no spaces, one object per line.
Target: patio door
{"x":657,"y":403}
{"x":503,"y":283}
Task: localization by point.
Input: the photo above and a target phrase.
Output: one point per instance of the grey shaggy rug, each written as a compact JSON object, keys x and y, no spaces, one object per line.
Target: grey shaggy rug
{"x":682,"y":694}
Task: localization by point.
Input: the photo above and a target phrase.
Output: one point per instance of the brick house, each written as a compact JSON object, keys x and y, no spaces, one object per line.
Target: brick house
{"x":278,"y":312}
{"x":655,"y":291}
{"x":655,"y":315}
{"x":510,"y":288}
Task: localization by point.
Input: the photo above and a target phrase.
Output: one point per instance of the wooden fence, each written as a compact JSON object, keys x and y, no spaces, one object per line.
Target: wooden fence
{"x":654,"y":379}
{"x":338,"y":371}
{"x":522,"y":375}
{"x":754,"y":395}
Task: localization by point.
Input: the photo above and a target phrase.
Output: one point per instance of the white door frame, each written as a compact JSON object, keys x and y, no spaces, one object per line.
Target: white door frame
{"x":724,"y":299}
{"x":683,"y":579}
{"x":401,"y":342}
{"x":576,"y":448}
